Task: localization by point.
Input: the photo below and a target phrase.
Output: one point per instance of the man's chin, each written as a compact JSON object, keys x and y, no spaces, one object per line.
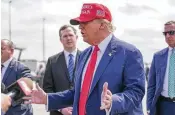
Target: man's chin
{"x":85,"y":39}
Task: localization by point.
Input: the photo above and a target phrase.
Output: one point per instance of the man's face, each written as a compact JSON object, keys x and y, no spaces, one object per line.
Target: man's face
{"x":169,"y":32}
{"x":6,"y":52}
{"x":68,"y":38}
{"x":90,"y":31}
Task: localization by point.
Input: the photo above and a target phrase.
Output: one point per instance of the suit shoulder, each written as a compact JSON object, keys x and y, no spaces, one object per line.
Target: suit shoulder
{"x":84,"y":51}
{"x":126,"y":46}
{"x":160,"y":52}
{"x":18,"y":63}
{"x":21,"y":67}
{"x":55,"y":56}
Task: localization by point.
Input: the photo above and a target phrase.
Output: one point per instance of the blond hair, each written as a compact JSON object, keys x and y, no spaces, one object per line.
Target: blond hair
{"x":109,"y":25}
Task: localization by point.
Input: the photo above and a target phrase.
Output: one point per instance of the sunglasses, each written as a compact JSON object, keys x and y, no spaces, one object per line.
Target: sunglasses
{"x":169,"y":32}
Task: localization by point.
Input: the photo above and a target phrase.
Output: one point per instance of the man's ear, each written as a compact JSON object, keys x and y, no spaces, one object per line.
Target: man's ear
{"x":12,"y":50}
{"x":61,"y":40}
{"x":102,"y":26}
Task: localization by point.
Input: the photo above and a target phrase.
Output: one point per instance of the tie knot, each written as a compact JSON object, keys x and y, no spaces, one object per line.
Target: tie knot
{"x":96,"y":48}
{"x":70,"y":55}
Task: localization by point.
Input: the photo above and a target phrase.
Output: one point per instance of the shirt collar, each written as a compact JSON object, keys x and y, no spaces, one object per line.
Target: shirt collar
{"x":102,"y":46}
{"x":171,"y":49}
{"x":6,"y":63}
{"x":66,"y":53}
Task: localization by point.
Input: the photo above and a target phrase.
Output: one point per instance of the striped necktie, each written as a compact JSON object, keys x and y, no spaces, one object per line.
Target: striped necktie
{"x":71,"y":67}
{"x":171,"y":75}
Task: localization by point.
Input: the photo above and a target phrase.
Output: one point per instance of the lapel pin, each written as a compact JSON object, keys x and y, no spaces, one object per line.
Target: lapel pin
{"x":110,"y":54}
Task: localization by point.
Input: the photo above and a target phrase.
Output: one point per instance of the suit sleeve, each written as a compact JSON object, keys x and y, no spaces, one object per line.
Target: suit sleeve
{"x":23,"y":71}
{"x":48,"y":84}
{"x":151,"y":84}
{"x":133,"y":82}
{"x":60,"y":99}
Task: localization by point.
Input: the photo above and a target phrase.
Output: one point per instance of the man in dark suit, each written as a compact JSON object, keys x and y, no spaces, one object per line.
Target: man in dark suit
{"x":161,"y":80}
{"x":11,"y":71}
{"x":57,"y":74}
{"x":110,"y":76}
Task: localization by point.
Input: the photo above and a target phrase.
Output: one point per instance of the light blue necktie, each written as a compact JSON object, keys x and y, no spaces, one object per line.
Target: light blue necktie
{"x":71,"y":67}
{"x":171,"y":75}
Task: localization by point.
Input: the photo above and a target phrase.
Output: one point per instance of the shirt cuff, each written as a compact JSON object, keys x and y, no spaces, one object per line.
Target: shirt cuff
{"x":59,"y":110}
{"x":47,"y":104}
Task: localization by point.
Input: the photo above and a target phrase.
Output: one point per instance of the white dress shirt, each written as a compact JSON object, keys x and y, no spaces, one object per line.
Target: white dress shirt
{"x":66,"y":54}
{"x":165,"y":83}
{"x":5,"y":66}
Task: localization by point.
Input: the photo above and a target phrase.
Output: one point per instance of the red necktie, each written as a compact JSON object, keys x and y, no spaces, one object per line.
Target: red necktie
{"x":87,"y":81}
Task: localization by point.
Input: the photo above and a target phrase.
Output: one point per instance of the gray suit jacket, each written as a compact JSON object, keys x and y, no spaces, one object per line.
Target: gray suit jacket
{"x":15,"y":71}
{"x":56,"y":76}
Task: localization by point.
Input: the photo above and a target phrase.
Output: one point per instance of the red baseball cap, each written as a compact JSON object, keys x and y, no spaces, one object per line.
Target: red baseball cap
{"x":91,"y":11}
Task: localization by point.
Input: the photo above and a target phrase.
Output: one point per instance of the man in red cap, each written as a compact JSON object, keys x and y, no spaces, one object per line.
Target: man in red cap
{"x":109,"y":75}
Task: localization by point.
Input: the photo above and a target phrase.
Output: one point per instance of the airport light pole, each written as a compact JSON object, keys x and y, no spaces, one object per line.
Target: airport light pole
{"x":43,"y":36}
{"x":10,"y":32}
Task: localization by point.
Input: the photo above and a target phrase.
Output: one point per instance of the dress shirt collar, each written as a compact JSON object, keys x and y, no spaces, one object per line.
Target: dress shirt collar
{"x":66,"y":53}
{"x":6,"y":63}
{"x":102,"y":46}
{"x":171,"y":49}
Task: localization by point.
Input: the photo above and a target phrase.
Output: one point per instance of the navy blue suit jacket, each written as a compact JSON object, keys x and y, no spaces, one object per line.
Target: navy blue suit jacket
{"x":156,"y":79}
{"x":15,"y":71}
{"x":124,"y":72}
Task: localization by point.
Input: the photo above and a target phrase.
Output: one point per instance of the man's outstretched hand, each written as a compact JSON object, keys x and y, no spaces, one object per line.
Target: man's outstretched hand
{"x":106,"y":97}
{"x":38,"y":96}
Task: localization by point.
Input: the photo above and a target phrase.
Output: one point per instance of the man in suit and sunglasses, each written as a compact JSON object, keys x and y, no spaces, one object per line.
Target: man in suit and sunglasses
{"x":161,"y":81}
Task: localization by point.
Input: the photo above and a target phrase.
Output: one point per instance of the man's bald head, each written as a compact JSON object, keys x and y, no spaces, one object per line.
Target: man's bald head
{"x":9,"y":43}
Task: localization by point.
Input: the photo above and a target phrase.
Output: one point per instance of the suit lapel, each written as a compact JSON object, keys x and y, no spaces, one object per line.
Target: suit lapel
{"x":163,"y":64}
{"x":77,"y":57}
{"x":64,"y":65}
{"x":105,"y":60}
{"x":76,"y":61}
{"x":8,"y":71}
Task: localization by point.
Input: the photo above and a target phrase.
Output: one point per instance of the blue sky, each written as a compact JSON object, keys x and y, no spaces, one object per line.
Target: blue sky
{"x":139,"y":22}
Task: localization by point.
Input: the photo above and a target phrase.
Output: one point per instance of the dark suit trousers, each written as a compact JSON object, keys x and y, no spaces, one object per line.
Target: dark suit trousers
{"x":165,"y":108}
{"x":55,"y":113}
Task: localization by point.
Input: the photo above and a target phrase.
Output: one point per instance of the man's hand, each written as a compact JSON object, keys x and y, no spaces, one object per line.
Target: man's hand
{"x":5,"y":102}
{"x":38,"y":96}
{"x":67,"y":111}
{"x":106,"y":98}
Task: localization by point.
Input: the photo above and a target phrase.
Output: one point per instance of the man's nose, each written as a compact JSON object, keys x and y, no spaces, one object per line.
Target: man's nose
{"x":167,"y":35}
{"x":68,"y":37}
{"x":81,"y":26}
